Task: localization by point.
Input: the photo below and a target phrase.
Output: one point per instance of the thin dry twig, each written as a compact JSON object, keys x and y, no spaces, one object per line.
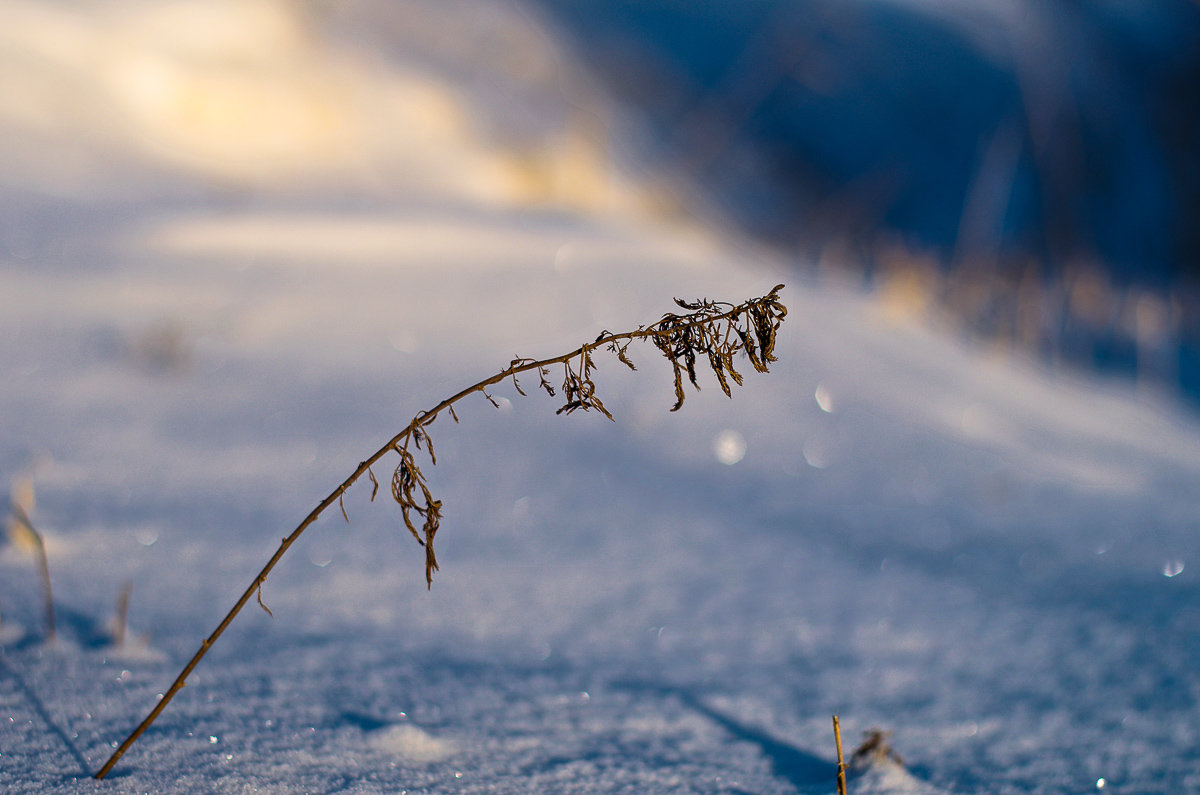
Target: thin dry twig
{"x":39,"y":548}
{"x":121,"y":620}
{"x":710,"y":331}
{"x":841,"y":765}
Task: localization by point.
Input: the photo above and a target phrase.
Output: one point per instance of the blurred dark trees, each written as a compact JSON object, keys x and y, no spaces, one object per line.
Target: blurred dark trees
{"x":1039,"y":158}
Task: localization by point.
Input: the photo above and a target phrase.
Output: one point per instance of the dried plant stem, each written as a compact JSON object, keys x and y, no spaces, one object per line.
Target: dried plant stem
{"x":122,"y":617}
{"x":43,"y":563}
{"x":717,"y":331}
{"x":841,"y":766}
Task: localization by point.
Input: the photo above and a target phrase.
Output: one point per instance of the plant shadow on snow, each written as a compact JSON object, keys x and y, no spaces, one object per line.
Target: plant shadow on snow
{"x":798,"y":767}
{"x":39,"y":708}
{"x":80,"y":630}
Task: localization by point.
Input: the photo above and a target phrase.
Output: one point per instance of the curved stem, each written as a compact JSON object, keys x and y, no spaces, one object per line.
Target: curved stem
{"x":699,"y":318}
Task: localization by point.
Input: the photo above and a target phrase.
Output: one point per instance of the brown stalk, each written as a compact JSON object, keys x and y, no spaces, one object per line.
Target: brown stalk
{"x":39,"y":546}
{"x":841,"y":766}
{"x":122,"y":617}
{"x":715,"y":331}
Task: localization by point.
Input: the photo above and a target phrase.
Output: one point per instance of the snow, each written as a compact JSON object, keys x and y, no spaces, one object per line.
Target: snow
{"x":995,"y":562}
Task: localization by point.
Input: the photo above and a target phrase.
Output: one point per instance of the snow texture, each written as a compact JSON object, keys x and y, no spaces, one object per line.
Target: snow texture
{"x":994,"y":562}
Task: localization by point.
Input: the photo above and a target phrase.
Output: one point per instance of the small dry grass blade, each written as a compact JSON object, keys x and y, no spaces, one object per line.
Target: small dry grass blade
{"x":23,"y":534}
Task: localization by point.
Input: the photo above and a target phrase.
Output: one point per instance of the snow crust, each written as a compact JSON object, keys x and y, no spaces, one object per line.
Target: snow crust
{"x":995,"y":562}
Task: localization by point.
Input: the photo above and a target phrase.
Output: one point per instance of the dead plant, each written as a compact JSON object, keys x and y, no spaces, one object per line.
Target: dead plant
{"x":841,"y":765}
{"x":23,"y":534}
{"x":120,"y":623}
{"x":876,"y":747}
{"x":709,"y":332}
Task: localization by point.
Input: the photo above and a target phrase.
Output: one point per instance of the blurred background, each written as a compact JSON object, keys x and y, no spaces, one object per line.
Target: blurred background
{"x":1024,"y":172}
{"x":1031,"y":169}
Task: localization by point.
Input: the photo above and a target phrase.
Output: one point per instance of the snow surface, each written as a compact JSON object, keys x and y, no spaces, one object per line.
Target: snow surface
{"x":996,"y":563}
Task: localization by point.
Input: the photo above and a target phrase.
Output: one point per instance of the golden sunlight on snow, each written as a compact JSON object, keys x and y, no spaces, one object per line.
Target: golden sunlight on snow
{"x":388,"y":241}
{"x":240,"y":89}
{"x":255,"y":93}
